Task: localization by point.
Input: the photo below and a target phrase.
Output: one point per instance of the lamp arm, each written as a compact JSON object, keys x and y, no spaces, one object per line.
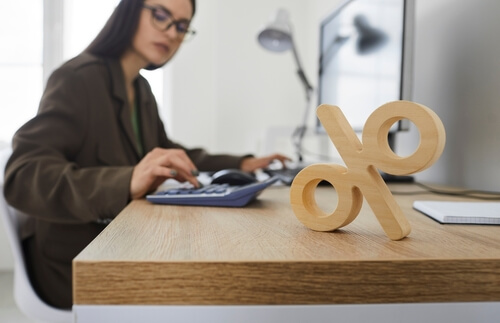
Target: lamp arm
{"x":300,"y":70}
{"x":300,"y":131}
{"x":298,"y":134}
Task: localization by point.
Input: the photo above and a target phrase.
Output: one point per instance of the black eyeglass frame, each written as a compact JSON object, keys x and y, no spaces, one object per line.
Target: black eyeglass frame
{"x":183,"y":33}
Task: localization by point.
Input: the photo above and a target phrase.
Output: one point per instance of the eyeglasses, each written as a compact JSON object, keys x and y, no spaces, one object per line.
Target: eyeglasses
{"x":162,"y":20}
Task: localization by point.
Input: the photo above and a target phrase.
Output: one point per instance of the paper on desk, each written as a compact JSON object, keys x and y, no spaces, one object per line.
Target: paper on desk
{"x":460,"y":212}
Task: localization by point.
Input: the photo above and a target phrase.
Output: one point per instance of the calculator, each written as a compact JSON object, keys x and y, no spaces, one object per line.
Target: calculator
{"x":212,"y":194}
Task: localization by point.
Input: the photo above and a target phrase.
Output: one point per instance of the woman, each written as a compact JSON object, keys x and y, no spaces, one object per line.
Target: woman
{"x":97,"y":141}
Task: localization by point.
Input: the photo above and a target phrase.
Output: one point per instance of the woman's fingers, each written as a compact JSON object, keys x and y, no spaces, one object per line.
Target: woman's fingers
{"x":157,"y":166}
{"x":178,"y":161}
{"x":252,"y":163}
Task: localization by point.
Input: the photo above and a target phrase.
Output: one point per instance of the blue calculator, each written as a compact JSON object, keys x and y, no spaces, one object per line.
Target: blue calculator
{"x":212,"y":195}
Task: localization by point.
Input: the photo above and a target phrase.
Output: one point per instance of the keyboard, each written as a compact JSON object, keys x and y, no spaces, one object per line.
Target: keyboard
{"x":286,"y":175}
{"x":212,"y":194}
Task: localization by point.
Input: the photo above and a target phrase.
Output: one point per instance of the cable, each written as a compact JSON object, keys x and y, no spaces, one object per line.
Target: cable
{"x":475,"y":194}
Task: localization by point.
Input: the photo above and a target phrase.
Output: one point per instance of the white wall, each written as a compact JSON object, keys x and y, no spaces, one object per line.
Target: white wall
{"x":457,"y":73}
{"x":227,"y":91}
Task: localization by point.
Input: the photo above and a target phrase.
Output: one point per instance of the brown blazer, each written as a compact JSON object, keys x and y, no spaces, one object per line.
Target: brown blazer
{"x":71,"y":165}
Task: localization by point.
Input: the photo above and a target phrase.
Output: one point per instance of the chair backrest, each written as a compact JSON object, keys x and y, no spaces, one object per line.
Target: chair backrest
{"x":26,"y":298}
{"x":10,"y":221}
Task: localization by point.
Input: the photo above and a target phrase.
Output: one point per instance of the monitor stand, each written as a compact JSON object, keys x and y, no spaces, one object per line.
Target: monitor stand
{"x":388,"y":178}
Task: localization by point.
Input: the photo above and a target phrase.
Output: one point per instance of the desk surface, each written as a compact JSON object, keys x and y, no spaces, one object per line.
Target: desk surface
{"x":261,"y":254}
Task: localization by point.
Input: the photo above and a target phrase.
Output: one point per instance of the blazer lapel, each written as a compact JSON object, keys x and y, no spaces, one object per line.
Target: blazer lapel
{"x":124,"y":109}
{"x":148,"y":111}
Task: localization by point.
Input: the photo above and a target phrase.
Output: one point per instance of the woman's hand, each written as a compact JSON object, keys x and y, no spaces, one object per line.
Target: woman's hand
{"x":251,"y":164}
{"x":159,"y":165}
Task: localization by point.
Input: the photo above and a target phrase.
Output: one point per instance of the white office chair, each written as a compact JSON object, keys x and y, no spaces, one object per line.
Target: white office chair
{"x":26,"y":298}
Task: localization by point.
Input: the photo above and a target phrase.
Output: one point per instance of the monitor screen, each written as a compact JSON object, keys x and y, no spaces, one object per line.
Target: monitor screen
{"x":365,"y":58}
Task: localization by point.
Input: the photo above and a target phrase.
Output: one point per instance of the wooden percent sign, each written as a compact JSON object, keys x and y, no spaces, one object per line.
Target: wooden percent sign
{"x":363,"y":160}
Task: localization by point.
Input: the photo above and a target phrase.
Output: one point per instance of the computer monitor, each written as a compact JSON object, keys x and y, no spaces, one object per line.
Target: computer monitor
{"x":366,"y":49}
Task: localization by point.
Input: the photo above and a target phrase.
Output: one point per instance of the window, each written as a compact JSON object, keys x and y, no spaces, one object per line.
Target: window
{"x":21,"y":27}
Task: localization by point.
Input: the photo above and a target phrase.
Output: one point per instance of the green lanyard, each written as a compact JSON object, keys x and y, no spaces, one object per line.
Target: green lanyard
{"x":137,"y":128}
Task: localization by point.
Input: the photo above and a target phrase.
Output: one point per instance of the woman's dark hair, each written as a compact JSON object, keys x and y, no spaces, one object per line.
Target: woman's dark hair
{"x":116,"y":36}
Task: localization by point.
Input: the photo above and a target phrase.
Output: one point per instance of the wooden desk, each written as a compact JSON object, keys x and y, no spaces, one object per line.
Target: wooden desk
{"x":261,"y":254}
{"x":260,"y":264}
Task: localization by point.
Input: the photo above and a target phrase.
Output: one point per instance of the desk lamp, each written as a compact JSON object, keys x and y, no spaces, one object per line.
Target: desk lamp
{"x":368,"y":41}
{"x":277,"y":37}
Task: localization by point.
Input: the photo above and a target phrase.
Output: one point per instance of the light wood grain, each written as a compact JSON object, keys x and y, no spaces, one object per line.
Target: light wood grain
{"x":261,"y":254}
{"x":361,"y":177}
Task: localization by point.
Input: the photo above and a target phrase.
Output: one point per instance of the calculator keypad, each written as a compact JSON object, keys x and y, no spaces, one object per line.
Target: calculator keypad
{"x":210,"y":190}
{"x":212,"y":195}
